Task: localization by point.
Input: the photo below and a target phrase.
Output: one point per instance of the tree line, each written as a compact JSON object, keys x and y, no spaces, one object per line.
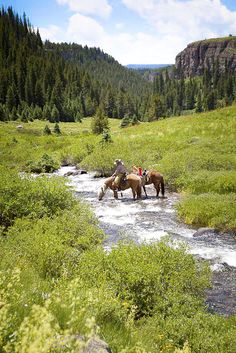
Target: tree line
{"x":67,"y":82}
{"x":63,"y":82}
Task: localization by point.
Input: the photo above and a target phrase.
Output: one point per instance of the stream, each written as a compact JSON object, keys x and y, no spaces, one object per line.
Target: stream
{"x":149,"y":220}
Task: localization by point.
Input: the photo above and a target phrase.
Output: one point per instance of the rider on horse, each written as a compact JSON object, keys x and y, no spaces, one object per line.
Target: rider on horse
{"x":119,"y":174}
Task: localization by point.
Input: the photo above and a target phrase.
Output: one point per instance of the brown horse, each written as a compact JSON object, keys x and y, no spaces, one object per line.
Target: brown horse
{"x":132,"y":181}
{"x":156,"y":179}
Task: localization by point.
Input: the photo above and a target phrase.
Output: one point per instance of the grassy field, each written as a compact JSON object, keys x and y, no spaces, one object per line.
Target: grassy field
{"x":56,"y":282}
{"x":196,"y":154}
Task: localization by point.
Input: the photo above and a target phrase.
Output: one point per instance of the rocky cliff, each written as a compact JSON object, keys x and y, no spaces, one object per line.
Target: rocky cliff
{"x":198,"y":55}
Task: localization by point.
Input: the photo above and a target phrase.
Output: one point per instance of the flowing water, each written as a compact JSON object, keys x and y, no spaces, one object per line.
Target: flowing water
{"x":149,"y":220}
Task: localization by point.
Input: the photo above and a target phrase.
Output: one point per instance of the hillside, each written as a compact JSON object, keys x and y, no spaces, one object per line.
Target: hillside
{"x":61,"y":82}
{"x":101,"y":67}
{"x":207,"y":54}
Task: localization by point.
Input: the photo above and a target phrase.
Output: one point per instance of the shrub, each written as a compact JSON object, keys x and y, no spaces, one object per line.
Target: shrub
{"x":210,"y":210}
{"x":151,"y":278}
{"x":47,"y":130}
{"x":34,"y":197}
{"x":56,"y":129}
{"x":99,"y":122}
{"x":45,"y":165}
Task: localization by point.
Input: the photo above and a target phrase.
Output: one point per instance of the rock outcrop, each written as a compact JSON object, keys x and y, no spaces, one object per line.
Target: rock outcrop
{"x":206,"y":53}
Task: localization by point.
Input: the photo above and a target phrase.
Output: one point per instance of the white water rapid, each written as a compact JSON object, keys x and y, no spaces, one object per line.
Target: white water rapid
{"x":148,"y":220}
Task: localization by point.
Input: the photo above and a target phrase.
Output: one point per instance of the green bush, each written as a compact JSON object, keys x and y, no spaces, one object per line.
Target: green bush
{"x":211,"y":210}
{"x":155,"y":278}
{"x":45,"y":165}
{"x":52,"y":245}
{"x":33,"y":197}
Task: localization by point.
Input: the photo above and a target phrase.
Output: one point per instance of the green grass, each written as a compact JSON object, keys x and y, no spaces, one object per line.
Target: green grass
{"x":196,"y":153}
{"x":56,"y":281}
{"x":215,"y":40}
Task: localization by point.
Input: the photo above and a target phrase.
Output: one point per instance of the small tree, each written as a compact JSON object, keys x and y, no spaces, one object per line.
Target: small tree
{"x":125,"y":121}
{"x":56,"y":129}
{"x":46,"y":113}
{"x":54,"y":114}
{"x":25,"y":114}
{"x":106,"y":137}
{"x":79,"y":117}
{"x":99,"y":122}
{"x":2,"y":113}
{"x":47,"y":130}
{"x":37,"y":113}
{"x":199,"y":107}
{"x":134,"y":120}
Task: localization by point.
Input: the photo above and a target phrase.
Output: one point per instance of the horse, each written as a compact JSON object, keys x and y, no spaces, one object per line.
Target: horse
{"x":155,"y":178}
{"x":132,"y":181}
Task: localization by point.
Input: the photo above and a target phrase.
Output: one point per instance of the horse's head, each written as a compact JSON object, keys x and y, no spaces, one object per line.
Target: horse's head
{"x":101,"y":193}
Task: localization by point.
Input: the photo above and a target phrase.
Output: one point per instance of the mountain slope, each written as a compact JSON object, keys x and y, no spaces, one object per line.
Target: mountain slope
{"x":61,"y":82}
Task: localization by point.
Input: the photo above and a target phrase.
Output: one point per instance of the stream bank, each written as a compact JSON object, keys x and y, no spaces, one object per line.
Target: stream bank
{"x":149,"y":220}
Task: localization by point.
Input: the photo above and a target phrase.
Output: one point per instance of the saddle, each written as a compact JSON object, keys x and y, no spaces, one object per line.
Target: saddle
{"x":123,"y":181}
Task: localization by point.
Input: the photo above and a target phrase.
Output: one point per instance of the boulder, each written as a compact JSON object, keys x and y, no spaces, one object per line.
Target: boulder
{"x":71,"y":173}
{"x":204,"y":231}
{"x":75,"y":172}
{"x":96,"y":345}
{"x":93,"y":345}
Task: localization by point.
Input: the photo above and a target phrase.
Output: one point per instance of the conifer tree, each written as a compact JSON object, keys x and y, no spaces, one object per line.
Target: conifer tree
{"x":56,"y":129}
{"x":47,"y":130}
{"x":99,"y":122}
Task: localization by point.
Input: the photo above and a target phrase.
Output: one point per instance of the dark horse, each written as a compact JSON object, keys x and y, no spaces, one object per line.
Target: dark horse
{"x":155,"y":178}
{"x":132,"y":181}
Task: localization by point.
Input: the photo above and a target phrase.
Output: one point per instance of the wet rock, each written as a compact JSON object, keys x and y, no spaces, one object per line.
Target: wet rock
{"x":71,"y":173}
{"x":205,"y":231}
{"x":95,"y":345}
{"x":103,"y":174}
{"x":221,"y":298}
{"x":65,"y":163}
{"x":75,"y":172}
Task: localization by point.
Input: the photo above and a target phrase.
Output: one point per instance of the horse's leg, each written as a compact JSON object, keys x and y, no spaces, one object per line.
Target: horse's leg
{"x":115,"y":194}
{"x":134,"y":193}
{"x":102,"y":192}
{"x":157,"y":187}
{"x":145,"y":192}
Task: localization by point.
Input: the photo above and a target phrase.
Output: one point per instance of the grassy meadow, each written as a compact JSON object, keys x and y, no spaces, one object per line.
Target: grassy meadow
{"x":56,"y":281}
{"x":196,"y":154}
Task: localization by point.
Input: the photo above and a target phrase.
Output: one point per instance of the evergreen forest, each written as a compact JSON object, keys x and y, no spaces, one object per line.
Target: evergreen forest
{"x":67,"y":82}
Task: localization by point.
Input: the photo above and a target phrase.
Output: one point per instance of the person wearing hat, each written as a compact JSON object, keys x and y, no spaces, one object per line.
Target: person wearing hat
{"x":119,"y":173}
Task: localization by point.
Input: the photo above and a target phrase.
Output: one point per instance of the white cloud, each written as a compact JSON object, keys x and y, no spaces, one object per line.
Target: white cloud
{"x":125,"y":47}
{"x":173,"y":24}
{"x":88,"y":7}
{"x":189,"y":19}
{"x":84,"y":30}
{"x":119,"y":25}
{"x":51,"y":32}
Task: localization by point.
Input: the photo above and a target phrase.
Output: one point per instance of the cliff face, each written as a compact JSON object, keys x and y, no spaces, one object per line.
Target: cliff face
{"x":193,"y":59}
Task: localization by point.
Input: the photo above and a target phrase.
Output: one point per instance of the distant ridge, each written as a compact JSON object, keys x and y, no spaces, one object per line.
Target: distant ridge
{"x":146,"y":66}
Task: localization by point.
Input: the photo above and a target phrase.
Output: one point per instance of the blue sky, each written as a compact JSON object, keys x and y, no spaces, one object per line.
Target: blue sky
{"x":133,"y":31}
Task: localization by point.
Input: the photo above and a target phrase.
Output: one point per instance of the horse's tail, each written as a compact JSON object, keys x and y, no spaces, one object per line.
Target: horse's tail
{"x":162,"y":187}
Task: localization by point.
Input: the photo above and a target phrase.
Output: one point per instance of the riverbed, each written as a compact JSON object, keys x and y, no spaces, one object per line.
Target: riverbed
{"x":151,"y":219}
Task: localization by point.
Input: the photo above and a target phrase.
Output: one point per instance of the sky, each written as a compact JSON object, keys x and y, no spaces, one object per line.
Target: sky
{"x":132,"y":31}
